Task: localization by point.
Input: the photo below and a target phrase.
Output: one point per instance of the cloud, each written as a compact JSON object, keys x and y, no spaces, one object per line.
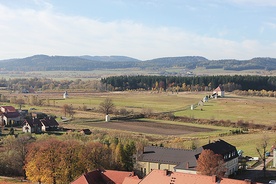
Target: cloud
{"x":26,"y":32}
{"x":254,"y":2}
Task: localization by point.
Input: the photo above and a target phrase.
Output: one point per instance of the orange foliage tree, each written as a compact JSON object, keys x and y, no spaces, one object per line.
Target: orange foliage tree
{"x":209,"y":163}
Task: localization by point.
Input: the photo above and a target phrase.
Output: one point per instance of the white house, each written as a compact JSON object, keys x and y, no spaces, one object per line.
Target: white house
{"x":9,"y":116}
{"x":219,"y":92}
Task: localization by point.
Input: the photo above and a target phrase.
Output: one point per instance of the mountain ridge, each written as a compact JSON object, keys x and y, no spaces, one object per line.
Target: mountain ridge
{"x":86,"y":63}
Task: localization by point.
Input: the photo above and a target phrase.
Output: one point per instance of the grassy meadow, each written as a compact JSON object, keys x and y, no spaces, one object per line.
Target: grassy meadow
{"x":257,"y":110}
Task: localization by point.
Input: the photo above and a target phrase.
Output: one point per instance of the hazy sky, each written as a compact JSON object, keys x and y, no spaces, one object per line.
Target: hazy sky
{"x":143,"y":29}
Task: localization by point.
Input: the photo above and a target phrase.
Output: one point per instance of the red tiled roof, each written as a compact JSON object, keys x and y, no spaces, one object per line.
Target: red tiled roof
{"x":9,"y":108}
{"x":165,"y":177}
{"x":219,"y":88}
{"x":106,"y":177}
{"x":117,"y":176}
{"x":131,"y":180}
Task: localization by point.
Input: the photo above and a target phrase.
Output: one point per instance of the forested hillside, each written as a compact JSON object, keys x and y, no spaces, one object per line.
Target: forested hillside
{"x":88,"y":63}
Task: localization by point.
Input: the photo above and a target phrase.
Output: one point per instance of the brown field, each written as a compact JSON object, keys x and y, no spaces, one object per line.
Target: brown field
{"x":148,"y":127}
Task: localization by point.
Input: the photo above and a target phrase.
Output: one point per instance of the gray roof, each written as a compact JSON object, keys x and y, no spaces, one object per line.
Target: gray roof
{"x":169,"y":155}
{"x":181,"y":157}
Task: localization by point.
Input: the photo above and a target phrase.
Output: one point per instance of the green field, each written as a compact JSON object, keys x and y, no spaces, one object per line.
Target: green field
{"x":257,"y":110}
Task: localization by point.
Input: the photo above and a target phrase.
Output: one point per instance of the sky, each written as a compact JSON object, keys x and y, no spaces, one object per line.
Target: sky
{"x":142,"y":29}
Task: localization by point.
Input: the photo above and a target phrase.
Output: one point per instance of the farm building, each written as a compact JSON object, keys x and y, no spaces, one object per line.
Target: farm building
{"x":36,"y":125}
{"x":9,"y":116}
{"x":32,"y":125}
{"x":219,"y":91}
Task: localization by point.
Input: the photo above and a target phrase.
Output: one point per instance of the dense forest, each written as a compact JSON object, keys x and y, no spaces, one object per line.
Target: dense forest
{"x":165,"y":83}
{"x":197,"y":83}
{"x":89,"y":63}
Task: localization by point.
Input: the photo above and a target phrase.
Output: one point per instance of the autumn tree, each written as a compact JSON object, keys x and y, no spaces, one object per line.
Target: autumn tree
{"x":94,"y":156}
{"x":209,"y":163}
{"x":70,"y":161}
{"x":107,"y":106}
{"x":14,"y":153}
{"x":43,"y":162}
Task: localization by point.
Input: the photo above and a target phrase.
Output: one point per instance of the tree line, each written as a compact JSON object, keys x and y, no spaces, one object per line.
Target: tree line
{"x":142,"y":82}
{"x":26,"y":85}
{"x":196,"y":83}
{"x":63,"y":159}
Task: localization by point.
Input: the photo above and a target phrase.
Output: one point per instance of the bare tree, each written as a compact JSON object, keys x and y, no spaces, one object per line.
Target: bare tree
{"x":107,"y":106}
{"x":68,"y":109}
{"x":263,"y":146}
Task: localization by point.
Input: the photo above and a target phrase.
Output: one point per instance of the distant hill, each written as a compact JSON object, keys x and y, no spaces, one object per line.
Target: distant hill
{"x":88,"y":63}
{"x":109,"y":58}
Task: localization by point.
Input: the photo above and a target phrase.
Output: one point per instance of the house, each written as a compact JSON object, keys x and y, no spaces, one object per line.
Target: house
{"x":161,"y":158}
{"x":219,"y":91}
{"x":169,"y":177}
{"x":36,"y":125}
{"x":107,"y":177}
{"x":32,"y":125}
{"x":229,"y":153}
{"x":185,"y":161}
{"x":5,"y":109}
{"x":9,"y":116}
{"x":48,"y":124}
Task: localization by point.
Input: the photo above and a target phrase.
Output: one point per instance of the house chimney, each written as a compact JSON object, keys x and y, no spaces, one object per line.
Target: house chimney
{"x":247,"y":181}
{"x":214,"y":179}
{"x":187,"y":165}
{"x":166,"y":172}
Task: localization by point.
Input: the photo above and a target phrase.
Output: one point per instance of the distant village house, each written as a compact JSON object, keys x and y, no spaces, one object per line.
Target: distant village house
{"x":9,"y":116}
{"x":218,"y":92}
{"x":35,"y":125}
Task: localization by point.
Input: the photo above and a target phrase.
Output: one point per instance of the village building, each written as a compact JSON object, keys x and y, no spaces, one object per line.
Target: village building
{"x":169,"y":177}
{"x":32,"y":125}
{"x":9,"y":116}
{"x":107,"y":177}
{"x":49,"y":124}
{"x":36,"y":125}
{"x":184,"y":161}
{"x":154,"y":177}
{"x":218,"y":92}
